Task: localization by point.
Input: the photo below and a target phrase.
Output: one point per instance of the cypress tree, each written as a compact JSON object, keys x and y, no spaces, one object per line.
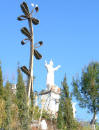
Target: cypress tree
{"x":1,"y":82}
{"x":65,"y":118}
{"x":60,"y":119}
{"x":22,"y":102}
{"x":2,"y":113}
{"x":8,"y":102}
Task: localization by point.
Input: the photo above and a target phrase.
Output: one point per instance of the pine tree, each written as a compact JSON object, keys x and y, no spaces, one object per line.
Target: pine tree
{"x":86,"y":89}
{"x":1,"y":82}
{"x":22,"y":102}
{"x":65,"y":118}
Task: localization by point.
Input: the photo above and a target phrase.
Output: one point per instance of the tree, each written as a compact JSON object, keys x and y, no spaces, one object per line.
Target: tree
{"x":2,"y":101}
{"x":8,"y":103}
{"x":60,"y":120}
{"x":22,"y":102}
{"x":65,"y":118}
{"x":1,"y":82}
{"x":2,"y":112}
{"x":11,"y":122}
{"x":86,"y":89}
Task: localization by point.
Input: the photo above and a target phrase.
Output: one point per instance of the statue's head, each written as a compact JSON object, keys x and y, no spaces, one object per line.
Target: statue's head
{"x":51,"y":62}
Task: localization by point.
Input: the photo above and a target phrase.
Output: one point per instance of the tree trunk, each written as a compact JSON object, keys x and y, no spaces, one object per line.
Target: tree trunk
{"x":93,"y":122}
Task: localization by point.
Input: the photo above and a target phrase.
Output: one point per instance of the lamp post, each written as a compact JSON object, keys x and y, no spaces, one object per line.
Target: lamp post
{"x":29,"y":37}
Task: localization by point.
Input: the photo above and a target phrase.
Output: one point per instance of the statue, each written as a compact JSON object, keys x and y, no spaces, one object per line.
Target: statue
{"x":50,"y":74}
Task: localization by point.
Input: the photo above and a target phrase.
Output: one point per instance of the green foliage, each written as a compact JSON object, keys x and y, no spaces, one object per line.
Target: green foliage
{"x":13,"y":107}
{"x":65,"y":118}
{"x":86,"y":90}
{"x":1,"y":82}
{"x":34,"y":113}
{"x":97,"y":126}
{"x":60,"y":119}
{"x":22,"y":102}
{"x":8,"y":103}
{"x":2,"y":112}
{"x":46,"y":115}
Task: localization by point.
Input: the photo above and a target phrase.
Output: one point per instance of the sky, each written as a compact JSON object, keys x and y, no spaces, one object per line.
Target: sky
{"x":69,"y":30}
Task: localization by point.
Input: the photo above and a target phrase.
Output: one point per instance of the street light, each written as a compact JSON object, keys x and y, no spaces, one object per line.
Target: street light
{"x":29,"y":37}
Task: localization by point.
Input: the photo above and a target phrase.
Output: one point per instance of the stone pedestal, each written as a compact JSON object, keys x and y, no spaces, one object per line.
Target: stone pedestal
{"x":50,"y":101}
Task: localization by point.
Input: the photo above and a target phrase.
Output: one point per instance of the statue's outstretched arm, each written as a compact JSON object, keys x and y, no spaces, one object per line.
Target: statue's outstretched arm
{"x":56,"y":68}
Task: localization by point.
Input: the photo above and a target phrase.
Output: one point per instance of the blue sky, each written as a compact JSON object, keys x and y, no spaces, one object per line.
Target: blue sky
{"x":69,"y":30}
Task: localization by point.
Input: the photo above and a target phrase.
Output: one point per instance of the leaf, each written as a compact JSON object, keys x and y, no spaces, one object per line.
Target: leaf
{"x":37,"y":55}
{"x":25,"y":31}
{"x":35,"y":21}
{"x":25,"y":70}
{"x":24,"y":9}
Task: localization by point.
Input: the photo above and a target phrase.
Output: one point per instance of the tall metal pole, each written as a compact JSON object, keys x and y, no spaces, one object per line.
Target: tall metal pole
{"x":29,"y":37}
{"x":30,"y":81}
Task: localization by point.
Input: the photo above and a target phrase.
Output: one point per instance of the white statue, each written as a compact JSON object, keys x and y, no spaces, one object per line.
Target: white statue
{"x":50,"y":74}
